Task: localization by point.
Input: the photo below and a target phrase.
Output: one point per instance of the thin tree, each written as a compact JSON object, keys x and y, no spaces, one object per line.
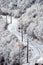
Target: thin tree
{"x":22,"y":32}
{"x":6,"y":23}
{"x":19,"y":53}
{"x":11,"y":17}
{"x":6,"y":18}
{"x":27,"y":49}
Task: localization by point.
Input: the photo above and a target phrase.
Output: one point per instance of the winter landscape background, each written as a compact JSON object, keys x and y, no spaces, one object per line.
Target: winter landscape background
{"x":23,"y":23}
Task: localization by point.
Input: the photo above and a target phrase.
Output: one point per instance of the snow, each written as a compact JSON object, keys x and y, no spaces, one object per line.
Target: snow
{"x":36,"y":48}
{"x":30,"y":14}
{"x":40,"y":60}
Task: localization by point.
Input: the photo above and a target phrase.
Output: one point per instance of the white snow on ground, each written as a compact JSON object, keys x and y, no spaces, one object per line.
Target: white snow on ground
{"x":33,"y":22}
{"x":40,"y":60}
{"x":13,"y":28}
{"x":36,"y":48}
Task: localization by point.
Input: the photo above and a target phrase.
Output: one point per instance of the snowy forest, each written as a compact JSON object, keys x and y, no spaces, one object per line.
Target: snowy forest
{"x":21,"y":32}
